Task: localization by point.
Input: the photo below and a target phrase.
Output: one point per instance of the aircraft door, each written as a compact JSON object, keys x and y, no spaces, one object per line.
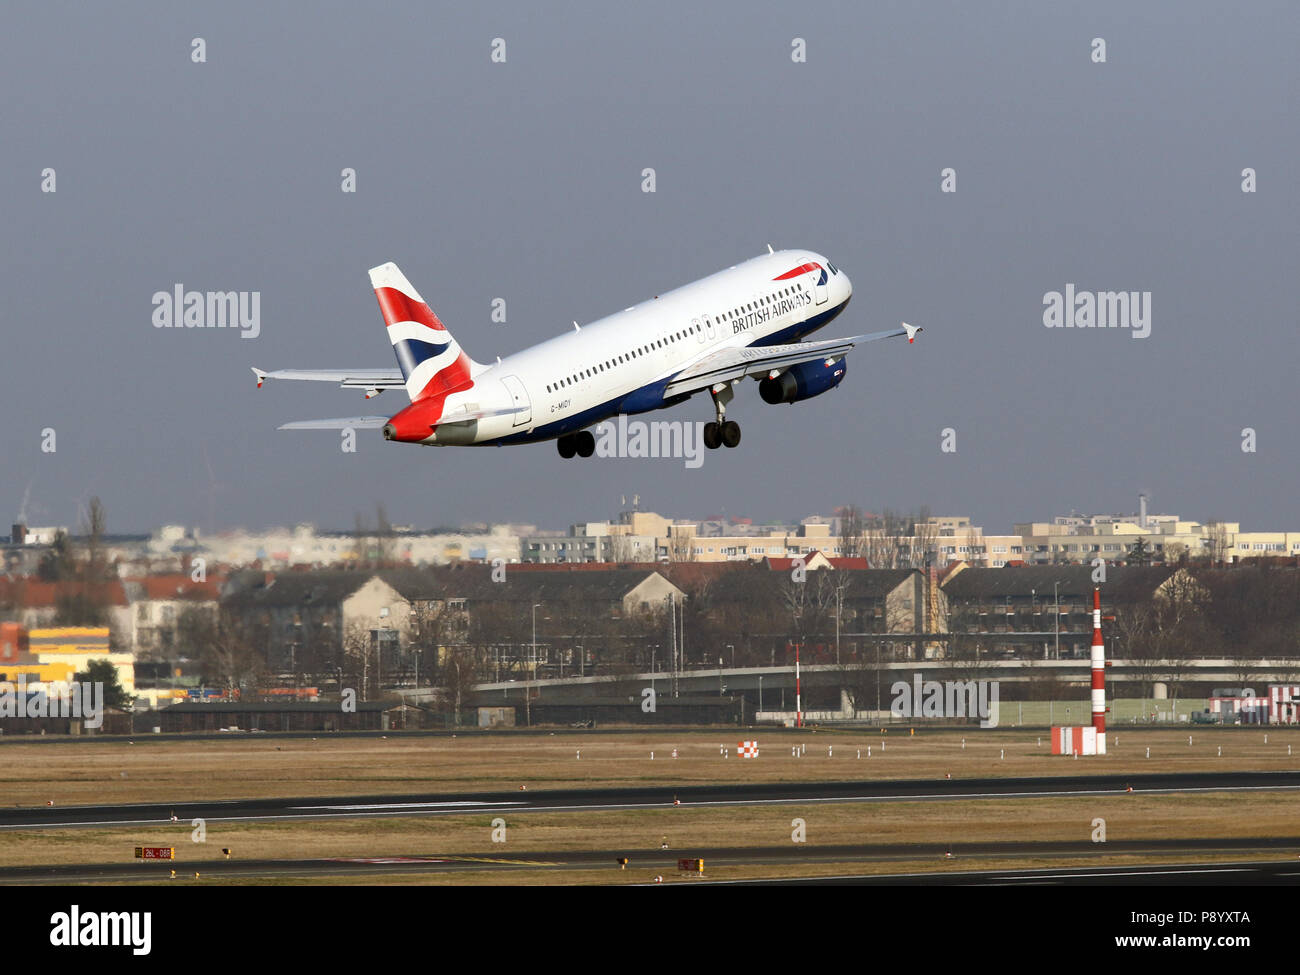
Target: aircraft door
{"x":519,"y":399}
{"x":819,"y":284}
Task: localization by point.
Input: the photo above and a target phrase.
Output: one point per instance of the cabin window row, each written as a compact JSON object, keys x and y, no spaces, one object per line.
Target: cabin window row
{"x":619,"y":360}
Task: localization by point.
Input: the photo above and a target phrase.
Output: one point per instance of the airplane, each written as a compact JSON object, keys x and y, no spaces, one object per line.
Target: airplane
{"x":745,"y":322}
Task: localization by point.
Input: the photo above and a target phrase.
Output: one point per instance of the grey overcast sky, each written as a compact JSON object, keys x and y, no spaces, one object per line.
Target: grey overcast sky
{"x":522,"y":181}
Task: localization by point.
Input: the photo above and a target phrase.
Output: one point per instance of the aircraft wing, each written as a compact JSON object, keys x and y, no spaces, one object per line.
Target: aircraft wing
{"x":726,"y":365}
{"x":368,"y":379}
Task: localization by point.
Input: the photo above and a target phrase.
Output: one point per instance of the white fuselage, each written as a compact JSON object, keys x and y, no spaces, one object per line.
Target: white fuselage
{"x":621,"y":363}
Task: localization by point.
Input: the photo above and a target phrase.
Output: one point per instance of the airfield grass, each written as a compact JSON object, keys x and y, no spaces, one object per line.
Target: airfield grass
{"x":79,"y":772}
{"x":155,"y":770}
{"x":905,"y":827}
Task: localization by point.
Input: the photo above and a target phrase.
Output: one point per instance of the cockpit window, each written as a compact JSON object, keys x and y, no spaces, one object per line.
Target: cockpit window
{"x":834,"y":269}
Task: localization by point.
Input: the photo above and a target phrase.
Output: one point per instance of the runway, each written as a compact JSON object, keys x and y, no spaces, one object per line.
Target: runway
{"x":1264,"y":874}
{"x":589,"y":800}
{"x":1280,"y":867}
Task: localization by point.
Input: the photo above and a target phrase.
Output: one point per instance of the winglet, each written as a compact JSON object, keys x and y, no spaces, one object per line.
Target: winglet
{"x":260,"y":374}
{"x":911,"y":331}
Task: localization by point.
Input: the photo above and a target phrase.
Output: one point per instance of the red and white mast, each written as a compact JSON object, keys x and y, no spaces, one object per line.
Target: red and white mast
{"x":1098,"y":674}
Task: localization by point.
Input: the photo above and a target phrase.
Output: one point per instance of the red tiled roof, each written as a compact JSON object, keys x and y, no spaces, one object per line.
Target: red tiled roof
{"x":179,"y":586}
{"x":32,"y":593}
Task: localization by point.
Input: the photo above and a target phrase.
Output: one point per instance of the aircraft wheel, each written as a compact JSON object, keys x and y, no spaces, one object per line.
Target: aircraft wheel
{"x":731,"y":433}
{"x":586,"y":443}
{"x":712,"y":436}
{"x":566,"y":446}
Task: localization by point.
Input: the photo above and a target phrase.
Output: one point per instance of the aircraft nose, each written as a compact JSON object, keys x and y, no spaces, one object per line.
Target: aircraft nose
{"x":848,"y":286}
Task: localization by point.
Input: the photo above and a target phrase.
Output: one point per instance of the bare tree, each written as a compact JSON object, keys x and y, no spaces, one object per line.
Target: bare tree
{"x":681,"y":546}
{"x":1216,"y":540}
{"x":384,"y":541}
{"x":361,"y":540}
{"x":888,"y":540}
{"x":853,"y":528}
{"x":231,"y":651}
{"x":808,"y":602}
{"x":458,"y":671}
{"x":621,"y":549}
{"x":879,"y":547}
{"x":361,"y":658}
{"x":1134,"y":628}
{"x":842,"y":585}
{"x":434,"y":625}
{"x":94,"y":528}
{"x":925,"y":536}
{"x":861,"y":678}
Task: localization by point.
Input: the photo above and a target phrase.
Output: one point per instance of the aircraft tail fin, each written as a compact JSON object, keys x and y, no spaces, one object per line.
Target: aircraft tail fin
{"x":432,"y":362}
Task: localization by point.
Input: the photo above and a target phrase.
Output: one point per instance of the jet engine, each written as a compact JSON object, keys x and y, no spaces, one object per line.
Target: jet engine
{"x":803,"y":381}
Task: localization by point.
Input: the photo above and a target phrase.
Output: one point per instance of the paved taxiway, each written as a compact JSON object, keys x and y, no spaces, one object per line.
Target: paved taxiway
{"x":577,"y":800}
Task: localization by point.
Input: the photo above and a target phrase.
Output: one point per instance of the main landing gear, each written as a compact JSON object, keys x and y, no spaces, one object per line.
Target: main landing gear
{"x":719,"y":434}
{"x":582,"y":443}
{"x":724,"y":432}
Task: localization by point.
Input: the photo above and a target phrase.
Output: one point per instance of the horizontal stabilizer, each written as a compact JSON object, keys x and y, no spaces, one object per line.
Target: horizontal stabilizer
{"x":365,"y":378}
{"x":338,"y":423}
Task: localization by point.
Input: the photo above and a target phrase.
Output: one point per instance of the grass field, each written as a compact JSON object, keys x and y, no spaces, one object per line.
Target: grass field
{"x":81,"y":772}
{"x":153,"y":770}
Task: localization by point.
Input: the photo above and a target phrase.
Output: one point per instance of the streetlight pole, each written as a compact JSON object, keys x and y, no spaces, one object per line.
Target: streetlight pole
{"x":528,"y":687}
{"x":877,"y":679}
{"x":1056,"y":589}
{"x":760,"y":692}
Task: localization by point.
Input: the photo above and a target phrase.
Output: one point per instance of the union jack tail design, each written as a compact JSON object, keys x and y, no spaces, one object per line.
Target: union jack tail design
{"x":432,"y":362}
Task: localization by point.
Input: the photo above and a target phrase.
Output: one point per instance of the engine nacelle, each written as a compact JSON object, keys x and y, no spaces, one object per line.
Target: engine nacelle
{"x":804,"y":381}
